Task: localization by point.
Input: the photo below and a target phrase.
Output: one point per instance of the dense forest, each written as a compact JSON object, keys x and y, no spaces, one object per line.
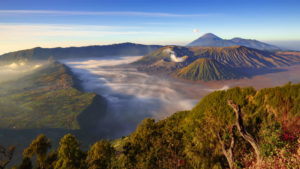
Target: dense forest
{"x":236,"y":128}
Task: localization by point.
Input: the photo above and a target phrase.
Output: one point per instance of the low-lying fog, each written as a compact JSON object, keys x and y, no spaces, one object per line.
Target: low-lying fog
{"x":134,"y":95}
{"x":15,"y":70}
{"x":131,"y":95}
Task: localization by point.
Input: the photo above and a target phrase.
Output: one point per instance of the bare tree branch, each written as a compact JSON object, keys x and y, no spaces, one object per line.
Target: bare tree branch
{"x":228,"y":152}
{"x":242,"y":130}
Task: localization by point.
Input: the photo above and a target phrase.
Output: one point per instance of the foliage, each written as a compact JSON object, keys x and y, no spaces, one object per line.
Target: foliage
{"x":192,"y":139}
{"x":69,"y":154}
{"x":100,"y":155}
{"x":26,"y":164}
{"x":48,"y":98}
{"x":39,"y":148}
{"x":6,"y":155}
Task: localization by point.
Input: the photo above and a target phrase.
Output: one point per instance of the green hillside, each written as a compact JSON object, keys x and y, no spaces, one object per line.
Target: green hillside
{"x":47,"y":98}
{"x":206,"y":70}
{"x":194,"y":139}
{"x":225,"y":127}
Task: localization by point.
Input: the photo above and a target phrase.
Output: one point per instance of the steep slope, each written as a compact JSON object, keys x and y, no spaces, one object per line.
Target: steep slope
{"x":123,"y":49}
{"x":234,"y":56}
{"x":246,"y":61}
{"x":165,"y":53}
{"x":243,"y":57}
{"x":211,"y":40}
{"x":48,"y":98}
{"x":206,"y":70}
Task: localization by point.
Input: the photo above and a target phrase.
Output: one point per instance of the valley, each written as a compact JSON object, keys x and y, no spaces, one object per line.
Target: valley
{"x":133,"y":95}
{"x":110,"y":96}
{"x":131,"y":84}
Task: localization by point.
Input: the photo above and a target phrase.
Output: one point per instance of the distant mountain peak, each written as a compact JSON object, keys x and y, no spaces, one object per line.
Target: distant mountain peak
{"x":211,"y":40}
{"x":210,"y":36}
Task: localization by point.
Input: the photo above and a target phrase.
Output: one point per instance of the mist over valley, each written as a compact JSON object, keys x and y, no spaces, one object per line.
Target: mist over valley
{"x":133,"y":95}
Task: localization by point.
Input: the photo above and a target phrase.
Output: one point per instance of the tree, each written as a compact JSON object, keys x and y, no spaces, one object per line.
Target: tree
{"x":243,"y":132}
{"x":136,"y":150}
{"x":100,"y":155}
{"x":69,"y":154}
{"x":39,"y":148}
{"x":50,"y":160}
{"x":228,"y":150}
{"x":6,"y":155}
{"x":26,"y":164}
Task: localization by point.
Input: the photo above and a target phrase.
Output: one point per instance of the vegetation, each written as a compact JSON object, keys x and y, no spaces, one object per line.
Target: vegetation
{"x":69,"y":155}
{"x":100,"y":155}
{"x":47,"y":98}
{"x":39,"y":148}
{"x":237,"y":128}
{"x":6,"y":155}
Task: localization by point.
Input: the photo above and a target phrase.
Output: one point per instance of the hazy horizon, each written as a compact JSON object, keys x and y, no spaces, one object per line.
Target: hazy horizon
{"x":56,"y":23}
{"x":288,"y":45}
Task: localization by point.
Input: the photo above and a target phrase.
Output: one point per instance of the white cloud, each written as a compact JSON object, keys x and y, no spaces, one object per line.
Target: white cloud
{"x":96,"y":13}
{"x":196,"y":30}
{"x":9,"y":31}
{"x":22,"y":36}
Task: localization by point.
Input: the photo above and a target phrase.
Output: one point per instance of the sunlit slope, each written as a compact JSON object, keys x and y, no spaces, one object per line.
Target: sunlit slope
{"x":207,"y":69}
{"x":271,"y":116}
{"x":47,"y":98}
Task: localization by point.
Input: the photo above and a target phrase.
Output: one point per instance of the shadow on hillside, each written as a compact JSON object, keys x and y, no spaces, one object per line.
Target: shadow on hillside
{"x":90,"y":118}
{"x":255,"y":72}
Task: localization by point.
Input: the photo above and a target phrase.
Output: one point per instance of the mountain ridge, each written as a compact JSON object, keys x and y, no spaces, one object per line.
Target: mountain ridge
{"x":212,"y":40}
{"x":50,"y":97}
{"x":38,"y":53}
{"x":244,"y":60}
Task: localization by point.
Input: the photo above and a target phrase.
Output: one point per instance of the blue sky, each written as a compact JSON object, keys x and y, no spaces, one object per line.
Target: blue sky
{"x":31,"y":23}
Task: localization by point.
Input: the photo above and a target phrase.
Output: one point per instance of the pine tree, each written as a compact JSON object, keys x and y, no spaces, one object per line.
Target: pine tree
{"x":26,"y":164}
{"x":39,"y":148}
{"x":100,"y":155}
{"x":69,"y":154}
